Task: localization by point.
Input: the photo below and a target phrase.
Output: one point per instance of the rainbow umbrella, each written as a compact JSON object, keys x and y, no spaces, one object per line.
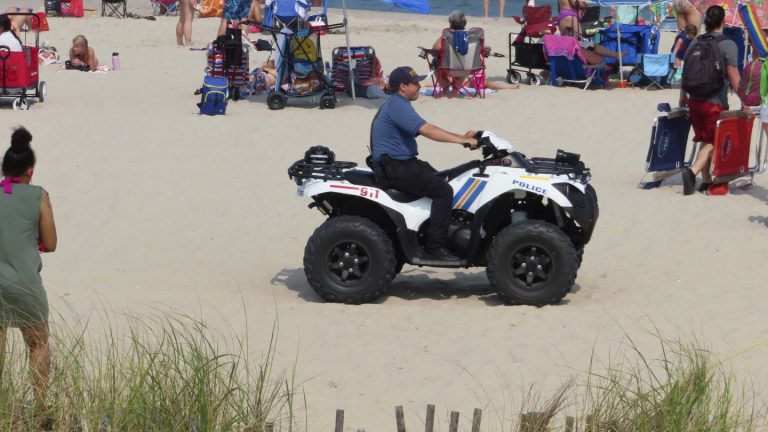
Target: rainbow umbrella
{"x":754,"y":22}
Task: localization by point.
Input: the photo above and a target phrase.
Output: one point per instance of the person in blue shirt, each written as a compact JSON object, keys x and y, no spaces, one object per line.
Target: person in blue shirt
{"x":394,"y":150}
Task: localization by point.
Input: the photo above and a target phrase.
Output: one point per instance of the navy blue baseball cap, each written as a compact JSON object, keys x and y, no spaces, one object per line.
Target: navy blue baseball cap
{"x":403,"y":75}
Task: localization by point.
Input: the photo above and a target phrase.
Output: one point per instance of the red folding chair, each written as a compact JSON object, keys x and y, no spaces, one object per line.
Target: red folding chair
{"x":461,"y":67}
{"x":536,"y":22}
{"x":733,"y":136}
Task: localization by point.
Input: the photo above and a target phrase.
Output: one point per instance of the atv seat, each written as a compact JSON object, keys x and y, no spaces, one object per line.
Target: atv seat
{"x":365,"y":178}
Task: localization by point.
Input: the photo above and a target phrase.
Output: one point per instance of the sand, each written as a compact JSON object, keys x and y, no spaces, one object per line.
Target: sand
{"x":158,"y":207}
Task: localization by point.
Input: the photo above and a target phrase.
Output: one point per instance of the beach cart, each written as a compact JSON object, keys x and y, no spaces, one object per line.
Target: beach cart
{"x":19,"y":71}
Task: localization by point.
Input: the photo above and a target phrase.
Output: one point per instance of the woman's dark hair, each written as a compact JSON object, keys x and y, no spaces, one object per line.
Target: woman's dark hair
{"x":5,"y":23}
{"x":19,"y":157}
{"x":714,"y":18}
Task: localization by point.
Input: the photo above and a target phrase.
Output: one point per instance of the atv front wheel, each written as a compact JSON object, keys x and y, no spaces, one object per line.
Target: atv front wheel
{"x":532,"y":263}
{"x":349,"y":259}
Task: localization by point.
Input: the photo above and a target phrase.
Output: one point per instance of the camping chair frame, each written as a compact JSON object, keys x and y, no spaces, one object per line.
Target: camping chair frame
{"x":112,"y":8}
{"x":160,"y":8}
{"x":761,"y":156}
{"x":471,"y":70}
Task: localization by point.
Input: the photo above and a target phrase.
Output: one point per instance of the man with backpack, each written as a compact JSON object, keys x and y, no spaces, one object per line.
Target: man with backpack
{"x":711,"y":63}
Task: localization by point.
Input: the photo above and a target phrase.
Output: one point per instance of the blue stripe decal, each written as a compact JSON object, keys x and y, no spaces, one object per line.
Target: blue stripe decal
{"x":474,"y":195}
{"x":460,"y":193}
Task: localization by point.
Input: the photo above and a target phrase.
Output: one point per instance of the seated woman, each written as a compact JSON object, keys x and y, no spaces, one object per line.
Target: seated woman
{"x":458,"y":21}
{"x":7,"y":36}
{"x":593,"y":52}
{"x":81,"y":55}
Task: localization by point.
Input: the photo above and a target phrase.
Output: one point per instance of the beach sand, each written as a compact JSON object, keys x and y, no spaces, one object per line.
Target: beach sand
{"x":158,"y":207}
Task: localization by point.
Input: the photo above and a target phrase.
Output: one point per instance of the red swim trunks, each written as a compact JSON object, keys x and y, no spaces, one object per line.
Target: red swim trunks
{"x":704,"y":116}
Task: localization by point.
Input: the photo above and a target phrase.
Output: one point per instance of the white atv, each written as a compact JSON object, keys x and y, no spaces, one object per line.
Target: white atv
{"x":526,"y":220}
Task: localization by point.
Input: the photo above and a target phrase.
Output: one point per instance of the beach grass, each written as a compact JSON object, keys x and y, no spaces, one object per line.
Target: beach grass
{"x":171,"y":372}
{"x":161,"y":372}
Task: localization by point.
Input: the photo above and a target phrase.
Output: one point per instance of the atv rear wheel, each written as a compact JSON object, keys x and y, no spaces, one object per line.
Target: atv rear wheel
{"x":532,"y":263}
{"x":349,"y":259}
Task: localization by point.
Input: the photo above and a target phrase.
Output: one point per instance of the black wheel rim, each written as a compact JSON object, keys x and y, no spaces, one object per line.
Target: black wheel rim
{"x":531,"y":266}
{"x":348,"y":263}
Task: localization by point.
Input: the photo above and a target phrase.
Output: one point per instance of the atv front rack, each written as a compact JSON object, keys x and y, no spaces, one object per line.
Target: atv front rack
{"x":575,"y":171}
{"x":301,"y":169}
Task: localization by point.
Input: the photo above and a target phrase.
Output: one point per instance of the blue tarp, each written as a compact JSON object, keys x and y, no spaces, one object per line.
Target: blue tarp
{"x":420,"y":6}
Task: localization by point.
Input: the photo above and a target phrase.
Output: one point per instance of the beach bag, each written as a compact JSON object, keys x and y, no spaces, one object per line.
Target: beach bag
{"x":749,"y":86}
{"x":704,"y":70}
{"x":213,"y":100}
{"x":211,"y":8}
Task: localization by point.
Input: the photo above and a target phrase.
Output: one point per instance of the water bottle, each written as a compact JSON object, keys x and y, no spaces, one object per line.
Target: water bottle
{"x":115,"y":61}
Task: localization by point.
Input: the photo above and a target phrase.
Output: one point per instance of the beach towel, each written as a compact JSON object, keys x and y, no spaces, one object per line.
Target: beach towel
{"x":211,"y":8}
{"x":562,"y":46}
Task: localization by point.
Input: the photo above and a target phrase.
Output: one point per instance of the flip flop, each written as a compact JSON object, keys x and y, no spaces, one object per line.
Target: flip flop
{"x":704,"y":186}
{"x":718,"y":189}
{"x":496,"y":54}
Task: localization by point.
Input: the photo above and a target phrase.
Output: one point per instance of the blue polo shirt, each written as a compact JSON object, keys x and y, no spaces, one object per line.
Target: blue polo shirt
{"x":394,"y":131}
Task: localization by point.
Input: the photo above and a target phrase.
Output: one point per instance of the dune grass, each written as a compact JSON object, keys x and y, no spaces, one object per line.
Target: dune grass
{"x":170,"y":372}
{"x":165,"y":372}
{"x":685,"y":390}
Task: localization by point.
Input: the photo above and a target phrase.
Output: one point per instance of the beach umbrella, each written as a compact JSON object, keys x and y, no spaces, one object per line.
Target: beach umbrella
{"x":349,"y":50}
{"x":732,"y":17}
{"x":754,"y":22}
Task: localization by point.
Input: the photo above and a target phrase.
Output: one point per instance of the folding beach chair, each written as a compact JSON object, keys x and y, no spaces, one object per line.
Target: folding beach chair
{"x":461,"y":63}
{"x":567,"y":64}
{"x":667,"y":151}
{"x":733,"y":136}
{"x":656,"y":68}
{"x":164,"y":7}
{"x":114,"y":8}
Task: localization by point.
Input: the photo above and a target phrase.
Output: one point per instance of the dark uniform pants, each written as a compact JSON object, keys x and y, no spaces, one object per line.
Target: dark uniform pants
{"x":418,"y":178}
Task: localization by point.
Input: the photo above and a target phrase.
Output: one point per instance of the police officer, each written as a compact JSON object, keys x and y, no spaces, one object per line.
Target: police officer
{"x":394,"y":149}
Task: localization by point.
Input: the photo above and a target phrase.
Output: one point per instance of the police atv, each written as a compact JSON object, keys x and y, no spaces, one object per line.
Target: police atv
{"x":526,"y":220}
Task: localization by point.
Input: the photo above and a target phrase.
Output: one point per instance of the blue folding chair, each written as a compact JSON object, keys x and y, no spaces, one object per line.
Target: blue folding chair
{"x":667,"y":151}
{"x":565,"y":70}
{"x":657,"y":68}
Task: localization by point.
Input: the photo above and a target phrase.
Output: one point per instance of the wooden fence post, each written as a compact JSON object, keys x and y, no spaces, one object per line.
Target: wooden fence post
{"x":570,"y":424}
{"x":339,"y":420}
{"x":476,"y":417}
{"x":430,"y":420}
{"x":400,"y":418}
{"x":454,"y":425}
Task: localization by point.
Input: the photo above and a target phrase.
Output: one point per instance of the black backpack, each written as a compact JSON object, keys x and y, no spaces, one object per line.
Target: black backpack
{"x":704,"y":67}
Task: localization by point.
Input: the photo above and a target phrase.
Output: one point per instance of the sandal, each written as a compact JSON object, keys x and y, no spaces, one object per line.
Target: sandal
{"x":718,"y":189}
{"x":704,"y":186}
{"x":689,"y":181}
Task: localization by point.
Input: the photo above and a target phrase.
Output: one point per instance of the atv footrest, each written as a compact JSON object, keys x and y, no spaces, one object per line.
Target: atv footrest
{"x":437,"y":263}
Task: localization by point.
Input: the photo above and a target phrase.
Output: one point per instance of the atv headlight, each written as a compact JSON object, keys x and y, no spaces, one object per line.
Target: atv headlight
{"x":574,"y":195}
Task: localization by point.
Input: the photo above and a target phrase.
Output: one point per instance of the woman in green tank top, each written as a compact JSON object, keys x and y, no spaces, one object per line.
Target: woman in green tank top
{"x":26,"y":228}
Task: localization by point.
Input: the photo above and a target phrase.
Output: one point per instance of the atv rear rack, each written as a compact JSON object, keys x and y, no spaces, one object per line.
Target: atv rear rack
{"x":564,"y":163}
{"x":301,"y":169}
